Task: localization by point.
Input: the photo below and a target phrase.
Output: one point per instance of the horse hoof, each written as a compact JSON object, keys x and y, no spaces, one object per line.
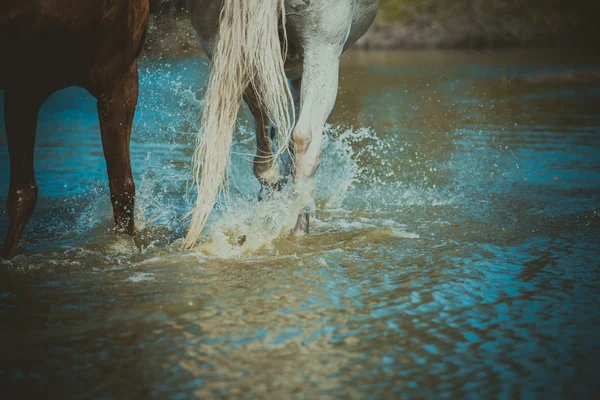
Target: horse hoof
{"x":267,"y":190}
{"x":302,"y":225}
{"x":8,"y":254}
{"x":137,"y":240}
{"x":9,"y":250}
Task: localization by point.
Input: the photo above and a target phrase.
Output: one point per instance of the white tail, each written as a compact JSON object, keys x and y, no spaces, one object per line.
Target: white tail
{"x":248,"y":52}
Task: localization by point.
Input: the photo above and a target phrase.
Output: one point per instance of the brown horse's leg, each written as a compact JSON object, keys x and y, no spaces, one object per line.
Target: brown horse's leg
{"x":116,"y":107}
{"x":21,"y":109}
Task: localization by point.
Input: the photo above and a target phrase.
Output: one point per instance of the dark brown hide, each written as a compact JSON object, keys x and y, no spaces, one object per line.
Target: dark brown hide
{"x":48,"y":45}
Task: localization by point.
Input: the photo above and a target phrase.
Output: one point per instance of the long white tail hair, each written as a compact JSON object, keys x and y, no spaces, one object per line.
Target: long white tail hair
{"x":248,"y":52}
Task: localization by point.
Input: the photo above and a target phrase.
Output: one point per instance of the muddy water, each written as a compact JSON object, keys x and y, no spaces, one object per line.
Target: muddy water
{"x":454,"y":251}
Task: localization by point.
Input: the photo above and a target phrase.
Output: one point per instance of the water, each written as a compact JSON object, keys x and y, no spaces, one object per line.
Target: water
{"x":454,"y":250}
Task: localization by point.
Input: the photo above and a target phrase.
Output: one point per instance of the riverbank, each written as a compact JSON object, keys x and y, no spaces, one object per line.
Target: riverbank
{"x":174,"y":36}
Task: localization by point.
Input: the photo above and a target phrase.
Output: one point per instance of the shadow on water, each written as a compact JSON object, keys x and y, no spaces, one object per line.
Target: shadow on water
{"x":454,"y":251}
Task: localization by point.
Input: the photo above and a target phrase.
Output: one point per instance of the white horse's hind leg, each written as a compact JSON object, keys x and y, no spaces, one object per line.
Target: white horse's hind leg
{"x":322,"y":32}
{"x":266,"y":168}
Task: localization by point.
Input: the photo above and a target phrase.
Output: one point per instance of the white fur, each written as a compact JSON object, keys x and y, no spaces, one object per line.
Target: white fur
{"x":322,"y":29}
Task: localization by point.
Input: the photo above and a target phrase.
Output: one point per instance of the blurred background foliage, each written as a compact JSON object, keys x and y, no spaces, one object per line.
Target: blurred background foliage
{"x":434,"y":24}
{"x":486,"y":23}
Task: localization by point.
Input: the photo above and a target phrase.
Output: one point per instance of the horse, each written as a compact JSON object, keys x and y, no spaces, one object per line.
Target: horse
{"x":48,"y":45}
{"x":258,"y":48}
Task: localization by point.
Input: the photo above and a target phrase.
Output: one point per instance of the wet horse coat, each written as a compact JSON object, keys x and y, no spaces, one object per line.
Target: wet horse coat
{"x":48,"y":45}
{"x":317,"y":32}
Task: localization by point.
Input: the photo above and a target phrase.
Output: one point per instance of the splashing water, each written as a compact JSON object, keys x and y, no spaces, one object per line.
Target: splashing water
{"x":262,"y":224}
{"x":167,"y":118}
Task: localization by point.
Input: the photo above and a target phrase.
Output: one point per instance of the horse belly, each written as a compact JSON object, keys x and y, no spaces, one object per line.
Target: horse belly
{"x":60,"y":42}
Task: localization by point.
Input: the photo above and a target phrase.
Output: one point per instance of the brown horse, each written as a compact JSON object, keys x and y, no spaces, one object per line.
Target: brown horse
{"x":48,"y":45}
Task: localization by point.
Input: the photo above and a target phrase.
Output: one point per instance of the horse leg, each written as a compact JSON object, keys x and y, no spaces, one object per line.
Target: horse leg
{"x":296,"y":86}
{"x":322,"y":40}
{"x":21,"y":109}
{"x":266,"y":168}
{"x":116,"y":108}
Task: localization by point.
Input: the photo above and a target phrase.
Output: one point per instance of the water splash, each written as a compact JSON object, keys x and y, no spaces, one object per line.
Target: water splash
{"x":246,"y":226}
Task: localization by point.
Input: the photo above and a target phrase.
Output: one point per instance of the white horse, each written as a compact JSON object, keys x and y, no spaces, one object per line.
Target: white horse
{"x":255,"y":46}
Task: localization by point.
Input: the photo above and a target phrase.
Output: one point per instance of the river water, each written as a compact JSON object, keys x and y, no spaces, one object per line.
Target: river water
{"x":454,"y":251}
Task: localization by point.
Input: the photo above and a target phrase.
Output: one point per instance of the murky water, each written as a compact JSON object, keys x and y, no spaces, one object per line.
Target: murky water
{"x":454,"y":254}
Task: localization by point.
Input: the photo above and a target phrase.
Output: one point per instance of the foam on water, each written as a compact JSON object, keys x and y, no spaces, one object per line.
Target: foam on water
{"x":140,"y":276}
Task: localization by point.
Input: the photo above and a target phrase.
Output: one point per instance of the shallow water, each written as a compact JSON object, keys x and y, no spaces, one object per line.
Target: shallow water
{"x":454,"y":251}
